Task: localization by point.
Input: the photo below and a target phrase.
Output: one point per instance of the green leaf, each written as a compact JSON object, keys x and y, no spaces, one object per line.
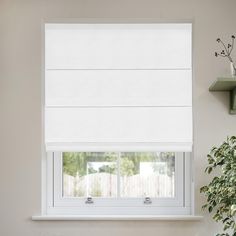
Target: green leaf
{"x":203,"y":189}
{"x":233,"y":209}
{"x":226,"y":227}
{"x":225,"y":219}
{"x":210,"y":208}
{"x":204,"y":206}
{"x":209,"y":170}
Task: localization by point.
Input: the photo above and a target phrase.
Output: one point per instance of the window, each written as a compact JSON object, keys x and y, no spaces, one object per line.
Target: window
{"x":114,"y":183}
{"x":118,"y":119}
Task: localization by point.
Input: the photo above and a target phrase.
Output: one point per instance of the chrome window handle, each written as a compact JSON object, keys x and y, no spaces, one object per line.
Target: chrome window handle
{"x":147,"y":200}
{"x":89,"y":200}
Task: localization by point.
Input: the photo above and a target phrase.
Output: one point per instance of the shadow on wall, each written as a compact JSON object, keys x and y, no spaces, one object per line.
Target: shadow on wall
{"x":221,"y":98}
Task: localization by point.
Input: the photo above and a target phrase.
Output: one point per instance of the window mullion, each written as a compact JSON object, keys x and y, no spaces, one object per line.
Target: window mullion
{"x":118,"y":175}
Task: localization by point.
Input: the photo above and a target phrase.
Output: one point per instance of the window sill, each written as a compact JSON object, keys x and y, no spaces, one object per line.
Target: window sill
{"x":116,"y":217}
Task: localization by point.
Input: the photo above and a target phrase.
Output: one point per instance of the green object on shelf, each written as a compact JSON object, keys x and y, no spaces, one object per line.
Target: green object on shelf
{"x":226,"y":84}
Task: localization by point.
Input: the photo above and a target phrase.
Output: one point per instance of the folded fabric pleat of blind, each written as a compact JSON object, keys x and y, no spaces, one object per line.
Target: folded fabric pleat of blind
{"x":121,"y":87}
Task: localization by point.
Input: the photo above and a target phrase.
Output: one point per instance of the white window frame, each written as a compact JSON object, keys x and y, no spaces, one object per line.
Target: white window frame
{"x":51,"y":208}
{"x":56,"y":204}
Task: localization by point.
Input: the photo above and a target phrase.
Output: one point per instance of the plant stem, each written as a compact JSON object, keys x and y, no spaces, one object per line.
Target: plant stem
{"x":232,"y":46}
{"x":226,"y":50}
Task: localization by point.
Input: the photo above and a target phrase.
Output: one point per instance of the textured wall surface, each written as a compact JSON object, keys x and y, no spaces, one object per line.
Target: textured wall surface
{"x":20,"y":106}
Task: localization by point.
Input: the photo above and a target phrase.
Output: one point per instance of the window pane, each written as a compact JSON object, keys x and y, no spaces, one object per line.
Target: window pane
{"x":147,"y":174}
{"x":141,"y":174}
{"x":89,"y":174}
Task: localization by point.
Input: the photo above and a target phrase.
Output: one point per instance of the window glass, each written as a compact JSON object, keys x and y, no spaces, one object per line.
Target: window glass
{"x":126,"y":174}
{"x":147,"y":174}
{"x":89,"y":174}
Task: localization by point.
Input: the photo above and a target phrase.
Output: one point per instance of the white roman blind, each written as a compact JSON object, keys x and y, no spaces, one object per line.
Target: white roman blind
{"x":125,"y":87}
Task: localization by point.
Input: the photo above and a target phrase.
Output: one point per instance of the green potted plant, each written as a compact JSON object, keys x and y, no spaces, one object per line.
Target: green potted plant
{"x":221,"y":191}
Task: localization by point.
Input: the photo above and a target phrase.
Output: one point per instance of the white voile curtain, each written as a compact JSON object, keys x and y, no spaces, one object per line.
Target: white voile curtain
{"x":121,"y":87}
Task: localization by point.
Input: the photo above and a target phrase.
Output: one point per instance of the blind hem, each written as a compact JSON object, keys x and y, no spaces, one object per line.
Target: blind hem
{"x":119,"y":147}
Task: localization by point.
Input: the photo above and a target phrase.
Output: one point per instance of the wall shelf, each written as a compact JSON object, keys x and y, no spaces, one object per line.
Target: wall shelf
{"x":223,"y":84}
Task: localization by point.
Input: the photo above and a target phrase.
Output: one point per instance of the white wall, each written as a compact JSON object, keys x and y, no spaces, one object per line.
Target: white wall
{"x":20,"y":106}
